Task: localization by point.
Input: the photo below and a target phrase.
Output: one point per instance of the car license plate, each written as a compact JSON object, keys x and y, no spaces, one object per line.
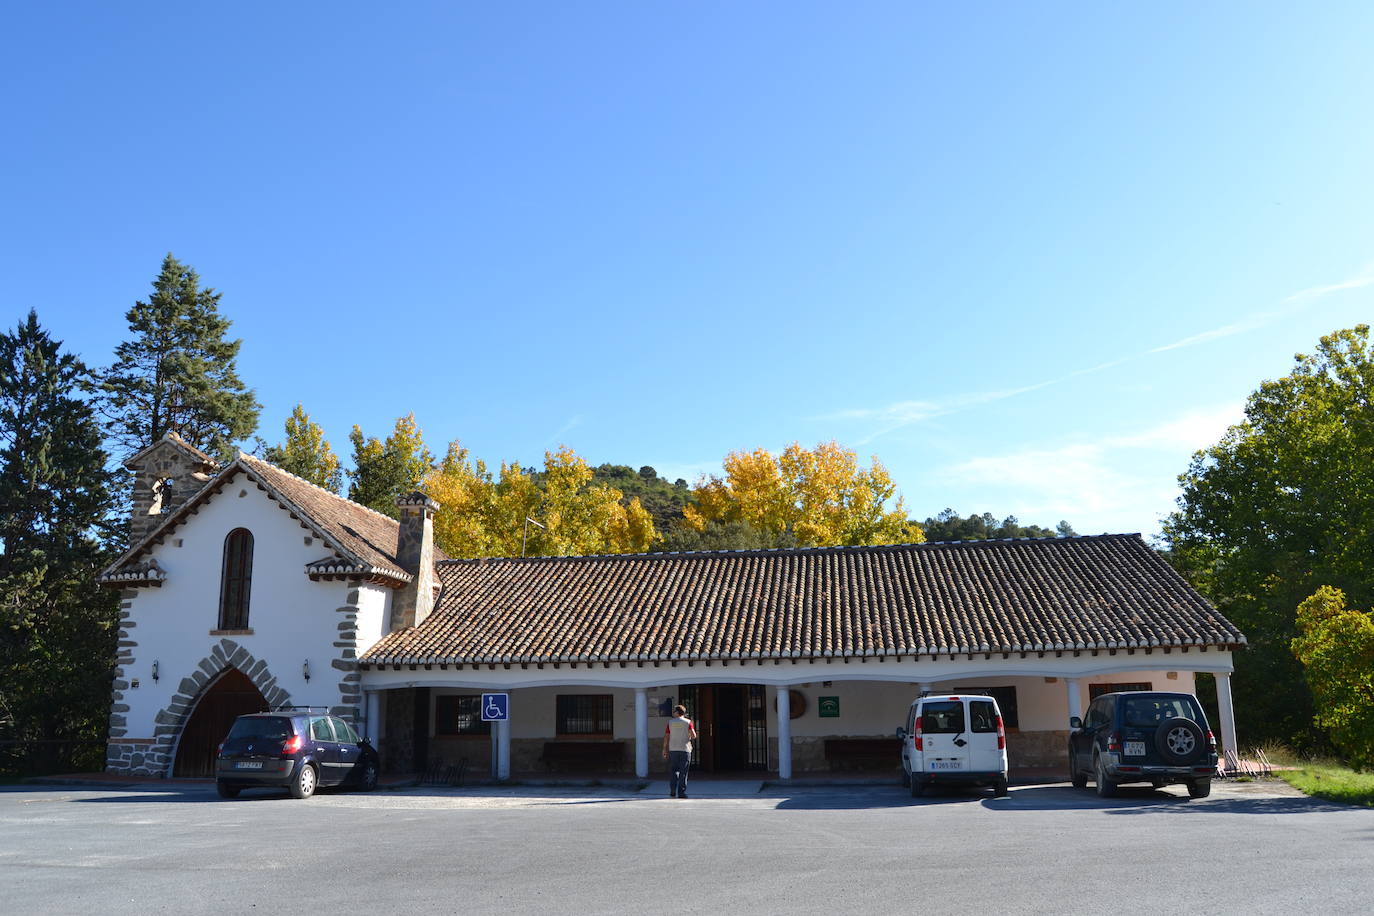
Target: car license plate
{"x":249,"y":765}
{"x":1135,"y":748}
{"x":946,"y":765}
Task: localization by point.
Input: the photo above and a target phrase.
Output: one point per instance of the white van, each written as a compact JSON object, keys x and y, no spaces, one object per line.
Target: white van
{"x":954,"y":740}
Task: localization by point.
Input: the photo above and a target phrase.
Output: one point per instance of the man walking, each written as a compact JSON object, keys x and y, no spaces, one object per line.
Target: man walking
{"x":677,"y":750}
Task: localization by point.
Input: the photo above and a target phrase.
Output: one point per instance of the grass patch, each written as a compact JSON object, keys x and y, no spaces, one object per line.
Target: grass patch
{"x":1331,"y":781}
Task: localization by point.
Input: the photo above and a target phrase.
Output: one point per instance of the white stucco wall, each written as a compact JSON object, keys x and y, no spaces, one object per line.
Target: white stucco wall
{"x":292,"y":618}
{"x":374,"y":615}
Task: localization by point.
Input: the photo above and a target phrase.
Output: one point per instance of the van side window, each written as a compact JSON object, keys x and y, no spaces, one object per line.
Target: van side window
{"x":945,"y":718}
{"x":981,"y":716}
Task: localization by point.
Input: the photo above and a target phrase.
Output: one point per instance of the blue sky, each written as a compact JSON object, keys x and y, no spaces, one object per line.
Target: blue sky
{"x":1031,"y":256}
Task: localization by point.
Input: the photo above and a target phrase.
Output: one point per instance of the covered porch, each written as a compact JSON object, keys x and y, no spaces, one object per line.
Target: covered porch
{"x":787,"y":719}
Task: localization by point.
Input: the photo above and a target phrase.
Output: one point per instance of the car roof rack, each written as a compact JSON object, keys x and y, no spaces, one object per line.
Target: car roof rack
{"x":322,"y":710}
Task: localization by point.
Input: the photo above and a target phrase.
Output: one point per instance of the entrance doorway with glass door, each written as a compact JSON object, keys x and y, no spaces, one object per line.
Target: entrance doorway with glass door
{"x":732,"y":726}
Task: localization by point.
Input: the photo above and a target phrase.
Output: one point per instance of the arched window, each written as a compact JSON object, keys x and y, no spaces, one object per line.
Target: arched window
{"x":236,"y":580}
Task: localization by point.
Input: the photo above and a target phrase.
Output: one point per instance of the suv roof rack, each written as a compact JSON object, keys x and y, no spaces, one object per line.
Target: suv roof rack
{"x":322,"y":710}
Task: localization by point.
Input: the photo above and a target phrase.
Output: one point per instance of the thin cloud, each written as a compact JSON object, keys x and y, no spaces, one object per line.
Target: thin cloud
{"x":1297,"y":301}
{"x":1364,"y":278}
{"x":904,"y":413}
{"x":688,"y":472}
{"x":572,"y":423}
{"x":1254,"y":322}
{"x":1085,"y":481}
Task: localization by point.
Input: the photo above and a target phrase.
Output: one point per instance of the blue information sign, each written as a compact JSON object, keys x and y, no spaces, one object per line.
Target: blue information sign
{"x":495,"y":707}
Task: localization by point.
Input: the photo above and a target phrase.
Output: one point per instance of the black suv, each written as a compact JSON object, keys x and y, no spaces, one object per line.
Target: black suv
{"x":298,"y":748}
{"x":1156,"y":738}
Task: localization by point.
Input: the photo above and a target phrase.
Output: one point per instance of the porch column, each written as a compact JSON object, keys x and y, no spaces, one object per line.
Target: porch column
{"x":784,"y":732}
{"x":373,"y":712}
{"x":502,"y":736}
{"x":924,"y":687}
{"x":641,"y":732}
{"x":1228,"y":720}
{"x":1075,"y":698}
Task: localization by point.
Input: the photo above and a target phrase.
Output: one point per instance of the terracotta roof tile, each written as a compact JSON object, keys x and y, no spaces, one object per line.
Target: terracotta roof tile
{"x":361,"y":542}
{"x":1055,"y":594}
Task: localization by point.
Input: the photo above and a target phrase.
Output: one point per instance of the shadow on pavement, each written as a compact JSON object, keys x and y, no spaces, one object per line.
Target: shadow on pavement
{"x":189,"y":795}
{"x":842,"y":799}
{"x":1147,"y":800}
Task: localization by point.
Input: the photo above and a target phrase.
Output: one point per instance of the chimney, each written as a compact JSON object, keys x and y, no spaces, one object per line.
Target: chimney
{"x":166,"y":474}
{"x":415,"y":551}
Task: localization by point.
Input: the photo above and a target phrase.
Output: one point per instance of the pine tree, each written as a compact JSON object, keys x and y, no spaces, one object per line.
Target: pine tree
{"x":57,"y":626}
{"x":306,"y":452}
{"x":177,"y":371}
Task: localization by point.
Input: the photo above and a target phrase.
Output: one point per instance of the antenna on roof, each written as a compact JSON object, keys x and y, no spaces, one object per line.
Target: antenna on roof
{"x":526,"y":533}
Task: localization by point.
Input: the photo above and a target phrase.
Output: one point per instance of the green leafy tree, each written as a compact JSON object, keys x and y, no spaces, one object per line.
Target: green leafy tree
{"x":663,"y":500}
{"x":723,"y":535}
{"x":384,"y":470}
{"x":949,"y":526}
{"x":57,"y":626}
{"x":1281,"y":506}
{"x":1336,"y":648}
{"x":306,"y":453}
{"x":177,"y":371}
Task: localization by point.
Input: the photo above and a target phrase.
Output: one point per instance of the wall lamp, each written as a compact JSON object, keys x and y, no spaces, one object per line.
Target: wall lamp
{"x":305,"y":670}
{"x":154,"y":671}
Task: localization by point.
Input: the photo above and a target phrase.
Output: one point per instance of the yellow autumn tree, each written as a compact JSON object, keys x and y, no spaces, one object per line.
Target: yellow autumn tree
{"x":483,"y":515}
{"x":821,"y":497}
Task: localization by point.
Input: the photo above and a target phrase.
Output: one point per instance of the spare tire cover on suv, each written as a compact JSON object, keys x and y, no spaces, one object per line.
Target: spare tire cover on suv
{"x":1180,"y":740}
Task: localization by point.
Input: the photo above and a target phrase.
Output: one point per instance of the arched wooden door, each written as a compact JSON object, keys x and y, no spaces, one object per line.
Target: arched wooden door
{"x":231,"y":696}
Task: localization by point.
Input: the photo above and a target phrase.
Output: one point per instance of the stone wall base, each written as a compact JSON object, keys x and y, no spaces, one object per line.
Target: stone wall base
{"x":139,"y":756}
{"x":1038,"y":749}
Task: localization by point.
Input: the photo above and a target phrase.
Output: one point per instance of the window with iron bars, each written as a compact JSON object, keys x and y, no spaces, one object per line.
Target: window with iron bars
{"x":585,"y":714}
{"x":459,"y":715}
{"x":1096,"y":690}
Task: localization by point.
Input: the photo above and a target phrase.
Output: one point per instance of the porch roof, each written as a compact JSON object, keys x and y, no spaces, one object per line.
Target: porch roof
{"x":1016,"y":596}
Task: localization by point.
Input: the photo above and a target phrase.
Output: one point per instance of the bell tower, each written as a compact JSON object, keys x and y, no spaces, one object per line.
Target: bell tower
{"x":166,"y":474}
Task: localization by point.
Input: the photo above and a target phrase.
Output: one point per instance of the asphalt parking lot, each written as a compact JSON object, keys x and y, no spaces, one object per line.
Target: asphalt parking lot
{"x":1253,"y":848}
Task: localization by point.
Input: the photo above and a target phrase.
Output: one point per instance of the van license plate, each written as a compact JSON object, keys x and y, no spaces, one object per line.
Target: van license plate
{"x":1135,"y":748}
{"x":946,"y":765}
{"x":249,"y":764}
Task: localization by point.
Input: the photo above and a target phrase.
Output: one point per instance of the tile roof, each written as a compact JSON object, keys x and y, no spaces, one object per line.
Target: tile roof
{"x":366,"y":538}
{"x":1104,"y":592}
{"x":176,"y":439}
{"x":362,"y":542}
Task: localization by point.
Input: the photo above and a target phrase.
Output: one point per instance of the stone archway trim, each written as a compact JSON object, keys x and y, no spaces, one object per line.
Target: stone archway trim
{"x":158,"y":757}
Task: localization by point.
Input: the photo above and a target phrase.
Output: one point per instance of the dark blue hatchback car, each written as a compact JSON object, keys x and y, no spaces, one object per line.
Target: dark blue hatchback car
{"x":296,"y":748}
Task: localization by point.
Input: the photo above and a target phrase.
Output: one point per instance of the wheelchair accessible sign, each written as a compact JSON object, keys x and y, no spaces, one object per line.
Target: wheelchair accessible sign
{"x":495,"y":707}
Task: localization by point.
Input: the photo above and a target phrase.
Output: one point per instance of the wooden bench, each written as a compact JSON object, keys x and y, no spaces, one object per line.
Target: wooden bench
{"x":863,"y":753}
{"x":584,"y":755}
